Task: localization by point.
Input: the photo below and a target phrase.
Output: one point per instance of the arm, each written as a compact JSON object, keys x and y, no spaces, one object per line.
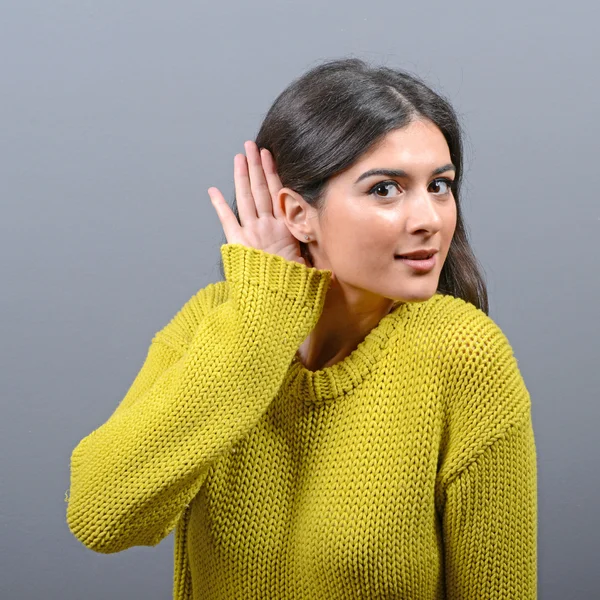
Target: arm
{"x":490,"y":522}
{"x":170,"y":343}
{"x":132,"y":478}
{"x":488,"y":477}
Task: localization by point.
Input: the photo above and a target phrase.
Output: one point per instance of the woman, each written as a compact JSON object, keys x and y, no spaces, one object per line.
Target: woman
{"x":340,"y":417}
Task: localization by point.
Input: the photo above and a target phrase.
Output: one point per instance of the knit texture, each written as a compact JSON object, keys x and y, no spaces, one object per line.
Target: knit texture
{"x":406,"y":470}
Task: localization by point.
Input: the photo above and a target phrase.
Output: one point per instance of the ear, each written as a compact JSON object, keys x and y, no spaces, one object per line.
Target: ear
{"x":296,"y":213}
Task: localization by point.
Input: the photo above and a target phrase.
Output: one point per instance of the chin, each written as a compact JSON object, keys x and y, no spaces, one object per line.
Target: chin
{"x":416,"y":295}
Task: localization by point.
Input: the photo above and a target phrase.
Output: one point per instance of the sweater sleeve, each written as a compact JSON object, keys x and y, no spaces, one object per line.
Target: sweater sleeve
{"x":490,"y":522}
{"x":200,"y":390}
{"x":488,"y":475}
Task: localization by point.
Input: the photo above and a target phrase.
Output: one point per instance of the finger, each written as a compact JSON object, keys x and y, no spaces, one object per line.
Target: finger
{"x":228,"y":220}
{"x":258,"y":182}
{"x":272,"y":178}
{"x":243,"y":193}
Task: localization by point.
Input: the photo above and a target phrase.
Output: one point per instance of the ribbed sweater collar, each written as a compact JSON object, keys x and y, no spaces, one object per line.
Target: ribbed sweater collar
{"x":342,"y":377}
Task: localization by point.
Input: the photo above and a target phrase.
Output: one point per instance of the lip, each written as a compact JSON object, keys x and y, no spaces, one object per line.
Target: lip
{"x":421,"y":253}
{"x":422,"y":265}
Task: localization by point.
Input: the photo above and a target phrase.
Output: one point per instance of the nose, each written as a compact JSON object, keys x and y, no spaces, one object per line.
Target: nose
{"x":423,"y":214}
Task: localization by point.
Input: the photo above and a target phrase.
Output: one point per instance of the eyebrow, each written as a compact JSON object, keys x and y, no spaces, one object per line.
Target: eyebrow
{"x":401,"y":173}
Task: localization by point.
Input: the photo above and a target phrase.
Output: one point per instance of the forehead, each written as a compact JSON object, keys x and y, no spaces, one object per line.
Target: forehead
{"x":419,"y":144}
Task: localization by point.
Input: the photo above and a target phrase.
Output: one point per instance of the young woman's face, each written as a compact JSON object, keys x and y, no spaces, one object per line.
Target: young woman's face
{"x":370,"y":220}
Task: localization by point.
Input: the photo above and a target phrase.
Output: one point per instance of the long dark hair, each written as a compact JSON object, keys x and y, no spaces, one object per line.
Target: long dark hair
{"x":327,"y":118}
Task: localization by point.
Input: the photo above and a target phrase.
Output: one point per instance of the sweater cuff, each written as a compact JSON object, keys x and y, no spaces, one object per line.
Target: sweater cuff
{"x":295,"y":280}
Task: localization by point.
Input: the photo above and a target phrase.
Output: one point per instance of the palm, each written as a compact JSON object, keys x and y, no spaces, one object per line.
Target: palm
{"x":262,"y":224}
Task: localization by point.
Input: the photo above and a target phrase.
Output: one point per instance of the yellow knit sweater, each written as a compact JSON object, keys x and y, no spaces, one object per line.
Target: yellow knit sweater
{"x":407,"y":470}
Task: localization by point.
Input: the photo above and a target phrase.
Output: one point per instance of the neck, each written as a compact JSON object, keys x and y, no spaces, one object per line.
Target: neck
{"x":345,"y":321}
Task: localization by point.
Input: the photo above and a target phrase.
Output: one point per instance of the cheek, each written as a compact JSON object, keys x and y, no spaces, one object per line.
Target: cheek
{"x":450,"y":227}
{"x":368,"y":239}
{"x":367,"y":254}
{"x":350,"y":231}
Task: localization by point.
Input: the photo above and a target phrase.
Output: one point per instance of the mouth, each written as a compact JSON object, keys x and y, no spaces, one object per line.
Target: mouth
{"x":419,"y":264}
{"x":423,"y":257}
{"x":421,"y":253}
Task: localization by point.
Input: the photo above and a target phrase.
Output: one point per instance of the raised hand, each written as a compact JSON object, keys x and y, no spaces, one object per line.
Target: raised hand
{"x":262,"y":224}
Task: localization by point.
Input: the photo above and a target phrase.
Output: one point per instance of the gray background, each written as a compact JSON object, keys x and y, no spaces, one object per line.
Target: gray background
{"x":115,"y":119}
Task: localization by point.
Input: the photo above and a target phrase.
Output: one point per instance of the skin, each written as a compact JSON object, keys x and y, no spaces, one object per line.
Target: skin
{"x":360,"y":232}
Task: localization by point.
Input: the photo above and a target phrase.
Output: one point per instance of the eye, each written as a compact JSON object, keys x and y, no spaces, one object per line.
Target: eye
{"x":383,"y":188}
{"x":447,"y":182}
{"x":383,"y":185}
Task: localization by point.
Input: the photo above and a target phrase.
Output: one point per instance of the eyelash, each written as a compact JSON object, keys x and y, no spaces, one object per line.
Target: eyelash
{"x":449,"y":182}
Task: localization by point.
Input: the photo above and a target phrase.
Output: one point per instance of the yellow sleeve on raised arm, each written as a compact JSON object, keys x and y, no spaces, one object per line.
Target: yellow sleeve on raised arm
{"x":207,"y":379}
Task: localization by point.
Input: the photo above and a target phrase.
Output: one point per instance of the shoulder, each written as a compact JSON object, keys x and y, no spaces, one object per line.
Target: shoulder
{"x":466,"y":335}
{"x":181,"y":328}
{"x":472,"y":344}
